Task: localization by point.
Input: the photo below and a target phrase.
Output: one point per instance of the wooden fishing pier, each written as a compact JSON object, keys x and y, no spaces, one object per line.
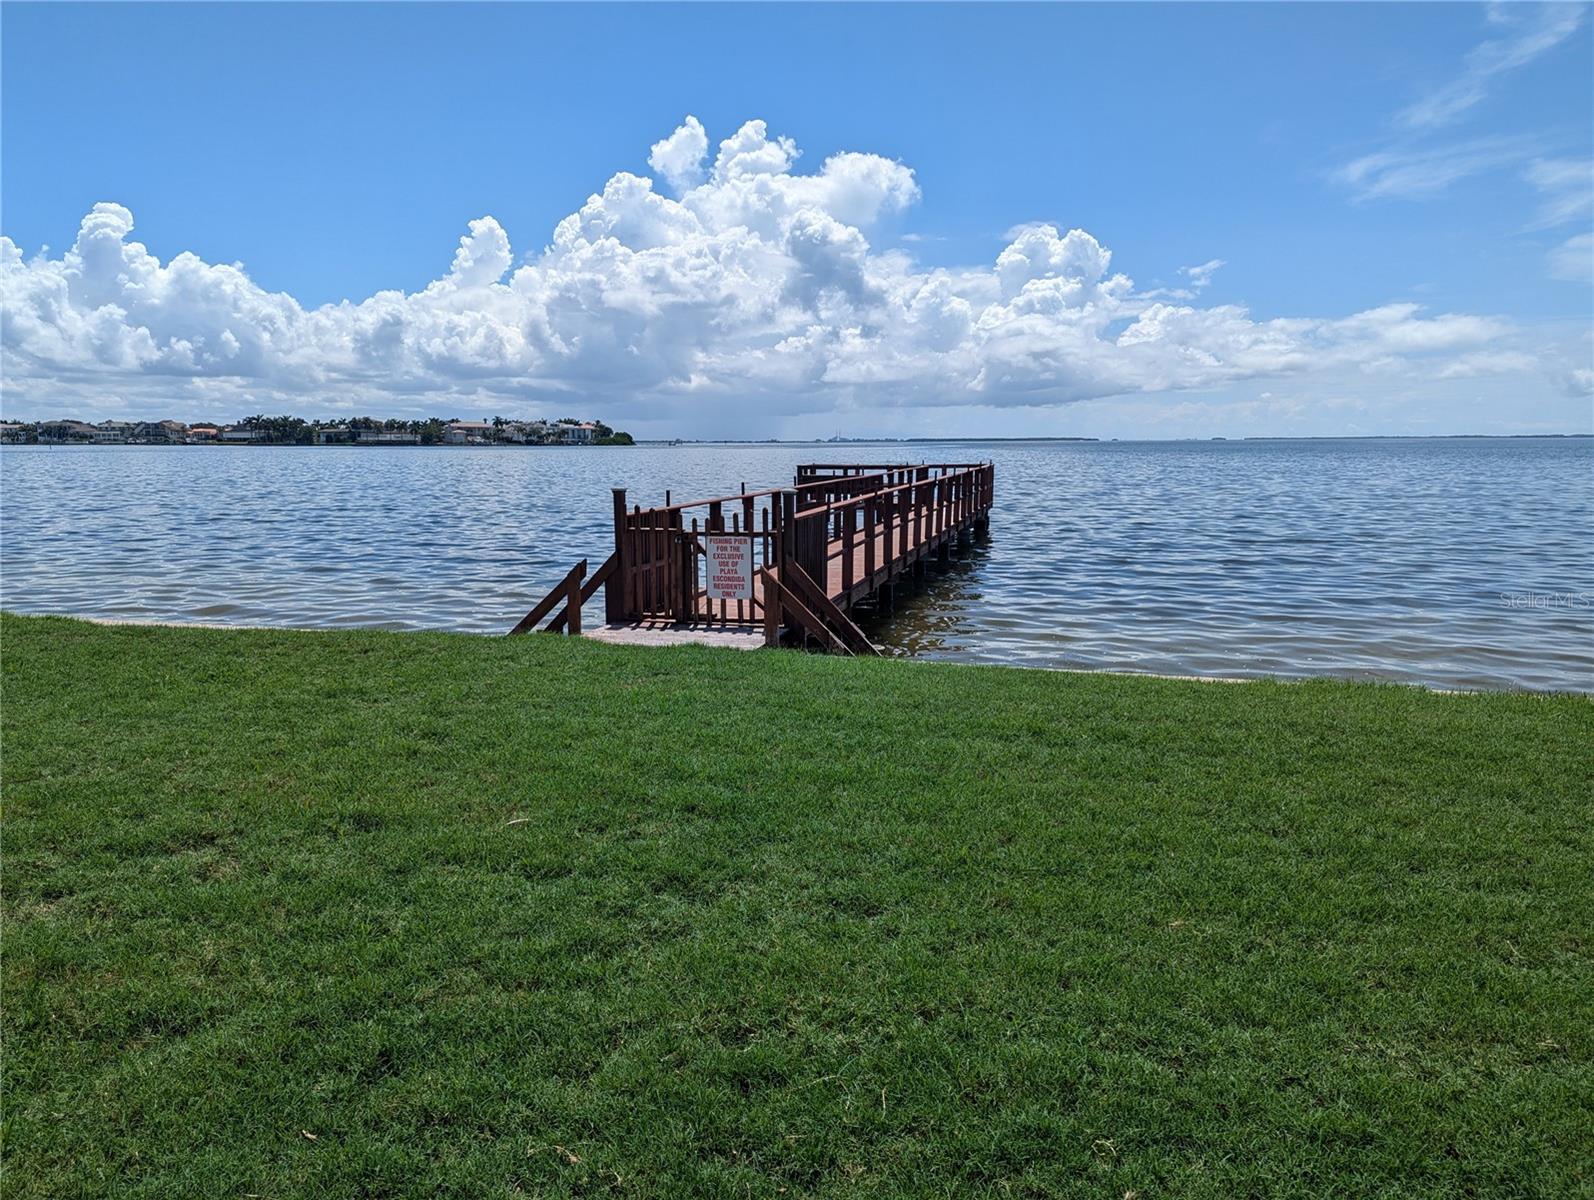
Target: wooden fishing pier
{"x":782,"y":566}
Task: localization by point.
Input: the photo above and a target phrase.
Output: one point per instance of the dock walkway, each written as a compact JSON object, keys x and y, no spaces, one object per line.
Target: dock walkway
{"x":789,"y":563}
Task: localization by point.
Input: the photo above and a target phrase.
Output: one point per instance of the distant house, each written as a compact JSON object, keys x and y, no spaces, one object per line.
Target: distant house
{"x":11,"y":432}
{"x":234,"y":435}
{"x":203,"y":433}
{"x":67,"y":431}
{"x":529,"y":433}
{"x":160,"y":432}
{"x":333,"y":434}
{"x":582,"y":434}
{"x":468,"y":433}
{"x":111,"y":432}
{"x":380,"y":437}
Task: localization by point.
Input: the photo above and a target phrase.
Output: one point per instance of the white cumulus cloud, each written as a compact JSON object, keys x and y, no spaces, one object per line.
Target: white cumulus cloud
{"x":483,"y":255}
{"x":751,"y":283}
{"x":679,"y":157}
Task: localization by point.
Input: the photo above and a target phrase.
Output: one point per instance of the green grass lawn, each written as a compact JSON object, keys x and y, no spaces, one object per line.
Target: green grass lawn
{"x":366,"y":914}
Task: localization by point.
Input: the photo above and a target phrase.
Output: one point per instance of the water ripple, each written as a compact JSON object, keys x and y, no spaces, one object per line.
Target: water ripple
{"x":1448,"y":562}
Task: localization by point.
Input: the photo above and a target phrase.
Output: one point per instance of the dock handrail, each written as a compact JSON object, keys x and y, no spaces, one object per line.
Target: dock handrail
{"x":810,"y":485}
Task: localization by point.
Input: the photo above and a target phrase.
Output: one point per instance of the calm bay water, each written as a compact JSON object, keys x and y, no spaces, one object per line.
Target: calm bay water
{"x":1447,"y":562}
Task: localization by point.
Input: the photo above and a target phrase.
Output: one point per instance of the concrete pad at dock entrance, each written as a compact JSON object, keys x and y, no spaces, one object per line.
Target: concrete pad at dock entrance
{"x":726,"y":637}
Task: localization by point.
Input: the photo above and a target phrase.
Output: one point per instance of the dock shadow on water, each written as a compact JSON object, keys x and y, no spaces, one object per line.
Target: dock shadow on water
{"x":931,"y":614}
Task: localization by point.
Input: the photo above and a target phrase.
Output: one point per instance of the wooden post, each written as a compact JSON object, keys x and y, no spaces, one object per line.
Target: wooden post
{"x":687,"y":559}
{"x":888,"y":541}
{"x":656,"y":572}
{"x":787,"y":527}
{"x":846,"y":552}
{"x":869,"y":546}
{"x":674,"y":552}
{"x":766,"y":538}
{"x":573,"y":612}
{"x":772,"y":619}
{"x":615,"y":590}
{"x":901,"y":502}
{"x":725,"y":606}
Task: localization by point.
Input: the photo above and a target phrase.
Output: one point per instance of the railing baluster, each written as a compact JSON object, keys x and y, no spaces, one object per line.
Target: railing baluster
{"x":736,"y":527}
{"x":689,"y":577}
{"x":868,"y":543}
{"x":846,"y":554}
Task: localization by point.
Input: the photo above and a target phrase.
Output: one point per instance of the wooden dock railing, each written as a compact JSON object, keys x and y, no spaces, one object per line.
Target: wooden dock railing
{"x":813,"y":550}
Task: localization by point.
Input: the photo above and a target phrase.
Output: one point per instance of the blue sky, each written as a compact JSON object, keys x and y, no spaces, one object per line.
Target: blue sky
{"x":1420,"y":162}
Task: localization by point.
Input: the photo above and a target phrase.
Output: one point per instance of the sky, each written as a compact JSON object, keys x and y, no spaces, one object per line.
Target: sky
{"x":1137,"y":220}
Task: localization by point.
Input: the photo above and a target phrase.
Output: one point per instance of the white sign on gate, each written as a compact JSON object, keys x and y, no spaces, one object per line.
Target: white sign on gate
{"x":730,"y":567}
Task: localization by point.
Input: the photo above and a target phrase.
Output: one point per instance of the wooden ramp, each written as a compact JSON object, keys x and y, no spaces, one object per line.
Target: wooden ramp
{"x":779,"y":566}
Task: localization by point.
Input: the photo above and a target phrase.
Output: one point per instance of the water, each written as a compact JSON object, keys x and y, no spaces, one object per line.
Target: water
{"x":1446,"y":562}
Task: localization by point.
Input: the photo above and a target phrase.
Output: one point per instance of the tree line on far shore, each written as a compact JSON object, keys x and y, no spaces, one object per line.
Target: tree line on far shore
{"x":289,"y":430}
{"x":431,"y":430}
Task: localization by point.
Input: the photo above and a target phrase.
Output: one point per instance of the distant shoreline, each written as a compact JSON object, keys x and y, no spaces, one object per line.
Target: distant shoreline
{"x":324,"y":445}
{"x":839,"y":445}
{"x":923,"y":441}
